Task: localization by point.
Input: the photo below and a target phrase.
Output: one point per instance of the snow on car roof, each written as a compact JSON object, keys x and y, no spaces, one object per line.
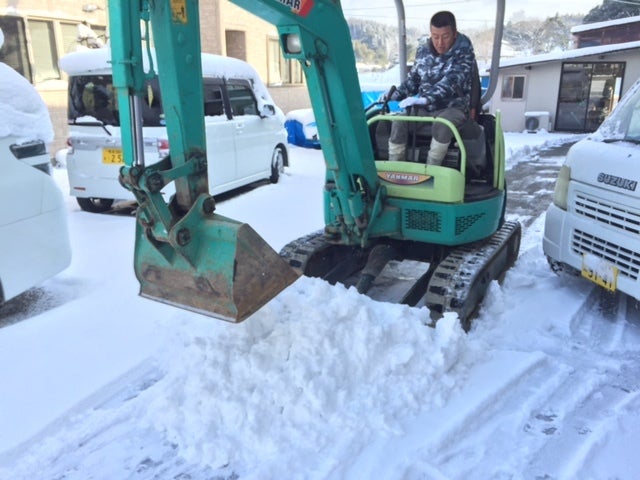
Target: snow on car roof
{"x":98,"y":61}
{"x":23,"y":113}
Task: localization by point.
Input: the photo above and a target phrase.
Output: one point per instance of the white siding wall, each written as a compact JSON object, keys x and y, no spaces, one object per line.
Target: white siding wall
{"x":543,"y":82}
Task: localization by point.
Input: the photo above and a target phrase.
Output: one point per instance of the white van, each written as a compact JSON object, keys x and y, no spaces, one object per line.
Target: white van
{"x":245,"y":132}
{"x":34,"y":240}
{"x":592,"y":227}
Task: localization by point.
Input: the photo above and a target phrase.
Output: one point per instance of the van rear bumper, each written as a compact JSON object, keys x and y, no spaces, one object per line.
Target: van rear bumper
{"x":82,"y":185}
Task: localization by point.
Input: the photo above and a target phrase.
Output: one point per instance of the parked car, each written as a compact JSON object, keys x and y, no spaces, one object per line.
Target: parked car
{"x":34,"y":240}
{"x":245,"y":133}
{"x":592,"y":228}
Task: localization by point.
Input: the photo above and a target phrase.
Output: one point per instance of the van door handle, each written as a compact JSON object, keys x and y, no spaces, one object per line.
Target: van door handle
{"x":239,"y":125}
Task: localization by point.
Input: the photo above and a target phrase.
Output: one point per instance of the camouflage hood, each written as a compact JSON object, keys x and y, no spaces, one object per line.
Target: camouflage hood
{"x":444,"y":80}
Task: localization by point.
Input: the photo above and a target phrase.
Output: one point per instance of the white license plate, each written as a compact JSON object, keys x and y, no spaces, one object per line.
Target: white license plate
{"x":600,"y":271}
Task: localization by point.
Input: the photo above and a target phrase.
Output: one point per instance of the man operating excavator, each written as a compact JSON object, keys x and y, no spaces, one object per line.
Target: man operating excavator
{"x":439,"y":84}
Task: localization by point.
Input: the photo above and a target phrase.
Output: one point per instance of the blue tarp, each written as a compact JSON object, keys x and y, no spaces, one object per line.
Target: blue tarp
{"x":372,"y":96}
{"x":296,"y":136}
{"x":302,"y":120}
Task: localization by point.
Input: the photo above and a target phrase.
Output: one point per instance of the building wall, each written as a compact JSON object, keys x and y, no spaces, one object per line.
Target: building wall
{"x":540,"y":82}
{"x":608,"y":35}
{"x":542,"y":86}
{"x":219,"y":17}
{"x":54,"y":92}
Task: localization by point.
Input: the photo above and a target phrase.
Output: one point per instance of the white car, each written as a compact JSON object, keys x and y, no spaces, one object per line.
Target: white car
{"x":245,"y":132}
{"x":592,"y":228}
{"x":34,"y":240}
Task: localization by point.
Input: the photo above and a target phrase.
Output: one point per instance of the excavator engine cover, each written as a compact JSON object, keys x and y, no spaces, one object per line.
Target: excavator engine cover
{"x":226,"y":270}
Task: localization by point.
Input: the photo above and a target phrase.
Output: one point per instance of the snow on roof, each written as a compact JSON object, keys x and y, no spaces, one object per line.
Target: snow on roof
{"x":23,"y":113}
{"x":98,"y":61}
{"x":569,"y":54}
{"x":608,"y":23}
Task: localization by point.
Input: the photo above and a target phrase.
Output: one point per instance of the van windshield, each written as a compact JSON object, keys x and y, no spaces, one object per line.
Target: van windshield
{"x":92,"y":98}
{"x":624,"y":123}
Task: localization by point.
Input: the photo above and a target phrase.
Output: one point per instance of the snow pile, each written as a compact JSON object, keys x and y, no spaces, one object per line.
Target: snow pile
{"x":23,"y":113}
{"x":291,"y":385}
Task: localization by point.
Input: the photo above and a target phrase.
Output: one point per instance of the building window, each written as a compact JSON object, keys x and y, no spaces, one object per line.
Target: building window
{"x":43,"y":46}
{"x":588,"y":93}
{"x":88,"y":36}
{"x":14,"y":51}
{"x":236,"y":44}
{"x":513,"y":87}
{"x":47,"y":40}
{"x":273,"y":60}
{"x":282,"y":71}
{"x":69,"y":37}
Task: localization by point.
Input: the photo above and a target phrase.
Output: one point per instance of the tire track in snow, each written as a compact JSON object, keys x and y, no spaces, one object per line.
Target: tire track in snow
{"x":530,"y":184}
{"x":551,"y":422}
{"x":605,"y":354}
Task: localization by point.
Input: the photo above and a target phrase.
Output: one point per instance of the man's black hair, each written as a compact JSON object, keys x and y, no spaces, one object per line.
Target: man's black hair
{"x":444,"y":19}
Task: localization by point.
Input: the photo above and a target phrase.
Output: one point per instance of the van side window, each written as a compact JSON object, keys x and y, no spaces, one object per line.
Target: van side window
{"x":213,"y":104}
{"x":242,"y":100}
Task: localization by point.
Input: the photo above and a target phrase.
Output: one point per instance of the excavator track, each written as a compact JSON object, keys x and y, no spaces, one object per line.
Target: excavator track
{"x":457,"y":283}
{"x":313,"y":256}
{"x":461,"y":279}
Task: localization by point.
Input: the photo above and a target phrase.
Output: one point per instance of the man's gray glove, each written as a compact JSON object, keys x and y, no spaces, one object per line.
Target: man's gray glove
{"x":411,"y":101}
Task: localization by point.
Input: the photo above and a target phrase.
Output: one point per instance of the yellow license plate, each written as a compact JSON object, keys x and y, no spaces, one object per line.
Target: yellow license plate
{"x":112,"y":156}
{"x":600,"y":272}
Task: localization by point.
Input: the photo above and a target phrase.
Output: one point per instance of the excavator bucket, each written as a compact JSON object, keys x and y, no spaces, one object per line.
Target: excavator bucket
{"x":223,"y":269}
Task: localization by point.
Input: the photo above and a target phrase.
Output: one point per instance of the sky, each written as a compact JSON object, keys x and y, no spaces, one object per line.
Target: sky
{"x":471,"y":14}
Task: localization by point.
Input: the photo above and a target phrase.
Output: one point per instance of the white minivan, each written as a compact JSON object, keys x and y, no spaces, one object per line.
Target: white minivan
{"x":34,"y":240}
{"x":592,"y":228}
{"x":245,"y":132}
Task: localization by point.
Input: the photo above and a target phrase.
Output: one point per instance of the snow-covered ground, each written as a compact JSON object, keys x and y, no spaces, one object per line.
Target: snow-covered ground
{"x":321,"y":383}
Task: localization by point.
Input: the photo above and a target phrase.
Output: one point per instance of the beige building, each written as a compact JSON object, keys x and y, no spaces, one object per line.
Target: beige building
{"x":39,"y":32}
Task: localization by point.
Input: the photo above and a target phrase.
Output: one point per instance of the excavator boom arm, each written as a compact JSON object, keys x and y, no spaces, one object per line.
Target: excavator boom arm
{"x":316,"y":33}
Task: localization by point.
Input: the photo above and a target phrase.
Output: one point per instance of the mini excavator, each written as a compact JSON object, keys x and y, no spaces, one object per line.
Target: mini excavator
{"x":378,"y":213}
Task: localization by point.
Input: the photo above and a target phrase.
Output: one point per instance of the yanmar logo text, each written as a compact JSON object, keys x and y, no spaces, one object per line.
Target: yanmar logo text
{"x":300,"y":7}
{"x":400,"y":178}
{"x":617,"y":181}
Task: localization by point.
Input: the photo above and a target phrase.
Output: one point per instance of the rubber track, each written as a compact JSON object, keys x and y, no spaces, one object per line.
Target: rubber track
{"x":298,"y":252}
{"x":463,"y":276}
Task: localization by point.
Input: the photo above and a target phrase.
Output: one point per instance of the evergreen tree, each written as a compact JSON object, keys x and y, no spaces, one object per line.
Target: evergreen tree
{"x":611,"y":10}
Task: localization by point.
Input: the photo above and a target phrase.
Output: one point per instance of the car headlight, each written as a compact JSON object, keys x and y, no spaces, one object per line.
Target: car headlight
{"x":561,"y":189}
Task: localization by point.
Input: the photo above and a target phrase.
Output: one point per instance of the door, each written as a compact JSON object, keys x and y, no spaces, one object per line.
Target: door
{"x":588,"y":93}
{"x":221,"y":152}
{"x":253,"y":137}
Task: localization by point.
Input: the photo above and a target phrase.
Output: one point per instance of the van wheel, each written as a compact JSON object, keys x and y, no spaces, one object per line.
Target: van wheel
{"x":95,"y":205}
{"x":277,"y":164}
